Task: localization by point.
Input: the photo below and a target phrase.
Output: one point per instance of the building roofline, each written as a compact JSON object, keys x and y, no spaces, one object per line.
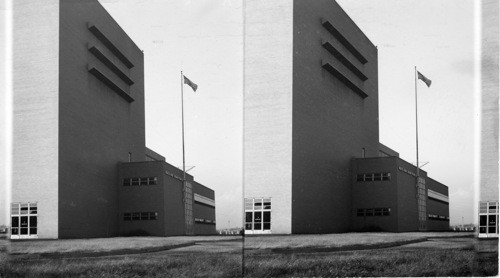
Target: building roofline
{"x":119,"y":26}
{"x":356,"y":25}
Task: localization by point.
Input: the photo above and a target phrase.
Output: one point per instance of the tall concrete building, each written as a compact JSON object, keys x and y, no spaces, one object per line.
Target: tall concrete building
{"x":489,"y":181}
{"x":79,"y":132}
{"x":310,"y":111}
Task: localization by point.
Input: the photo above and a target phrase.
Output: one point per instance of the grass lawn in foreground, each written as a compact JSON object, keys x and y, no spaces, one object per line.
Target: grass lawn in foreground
{"x":337,"y":240}
{"x":145,"y":265}
{"x":373,"y":263}
{"x":381,"y":262}
{"x":96,"y":245}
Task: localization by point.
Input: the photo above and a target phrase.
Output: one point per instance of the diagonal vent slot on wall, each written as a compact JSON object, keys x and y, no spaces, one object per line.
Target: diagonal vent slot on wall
{"x":344,"y":79}
{"x":108,"y":82}
{"x":328,"y":46}
{"x":328,"y":26}
{"x":97,"y":32}
{"x":99,"y":55}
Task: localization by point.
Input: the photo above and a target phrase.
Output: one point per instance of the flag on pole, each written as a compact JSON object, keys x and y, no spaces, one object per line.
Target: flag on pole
{"x":190,"y":83}
{"x":426,"y":80}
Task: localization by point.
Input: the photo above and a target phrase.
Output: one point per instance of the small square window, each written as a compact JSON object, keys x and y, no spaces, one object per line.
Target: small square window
{"x":136,"y":216}
{"x":360,"y":212}
{"x":153,"y":215}
{"x":386,"y":211}
{"x":248,"y":204}
{"x":126,"y":182}
{"x":377,"y":176}
{"x":368,"y":177}
{"x":360,"y":177}
{"x":386,"y":176}
{"x":135,"y":181}
{"x":33,"y":209}
{"x":24,"y":208}
{"x":127,"y":216}
{"x":369,"y":212}
{"x":152,"y":180}
{"x":378,"y":212}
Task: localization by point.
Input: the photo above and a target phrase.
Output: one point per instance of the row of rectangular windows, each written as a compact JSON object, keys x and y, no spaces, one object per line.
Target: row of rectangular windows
{"x":374,"y":212}
{"x":24,"y":208}
{"x":200,"y":220}
{"x":491,"y":207}
{"x":438,"y":217}
{"x":374,"y":177}
{"x":132,"y":216}
{"x":258,"y":204}
{"x":140,"y":181}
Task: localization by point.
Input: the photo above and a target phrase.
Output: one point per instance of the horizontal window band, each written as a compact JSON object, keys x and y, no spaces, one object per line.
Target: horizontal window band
{"x":438,"y":200}
{"x":330,"y":48}
{"x":204,"y":200}
{"x":104,"y":79}
{"x":437,"y":196}
{"x":203,"y":204}
{"x":344,"y":79}
{"x":109,"y":45}
{"x":328,"y":26}
{"x":99,"y":55}
{"x":204,"y":223}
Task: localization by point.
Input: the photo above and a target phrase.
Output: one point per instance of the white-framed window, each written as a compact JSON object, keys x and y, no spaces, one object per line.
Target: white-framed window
{"x":258,"y":215}
{"x":488,"y":219}
{"x":24,"y":220}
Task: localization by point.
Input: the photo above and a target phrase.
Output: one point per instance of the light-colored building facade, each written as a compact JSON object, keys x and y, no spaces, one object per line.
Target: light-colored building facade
{"x":489,"y":180}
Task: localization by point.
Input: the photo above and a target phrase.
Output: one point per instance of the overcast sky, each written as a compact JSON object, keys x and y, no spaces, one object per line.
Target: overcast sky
{"x":438,"y":38}
{"x":204,"y":39}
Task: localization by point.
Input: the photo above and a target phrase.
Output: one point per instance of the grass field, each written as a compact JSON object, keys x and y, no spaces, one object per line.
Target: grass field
{"x":337,"y":240}
{"x":154,"y":265}
{"x":438,"y":257}
{"x":384,"y":262}
{"x":96,"y":245}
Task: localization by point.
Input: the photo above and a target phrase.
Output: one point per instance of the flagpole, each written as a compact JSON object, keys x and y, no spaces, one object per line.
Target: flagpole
{"x":417,"y":186}
{"x":416,"y":120}
{"x":183,"y":155}
{"x":183,"y":152}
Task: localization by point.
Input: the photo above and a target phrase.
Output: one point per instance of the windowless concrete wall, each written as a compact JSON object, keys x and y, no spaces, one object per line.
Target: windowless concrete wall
{"x":267,"y":135}
{"x":36,"y":111}
{"x":98,"y":126}
{"x":332,"y":121}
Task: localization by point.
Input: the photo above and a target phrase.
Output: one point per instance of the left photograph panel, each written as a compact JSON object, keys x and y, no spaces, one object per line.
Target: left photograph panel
{"x":125,"y":127}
